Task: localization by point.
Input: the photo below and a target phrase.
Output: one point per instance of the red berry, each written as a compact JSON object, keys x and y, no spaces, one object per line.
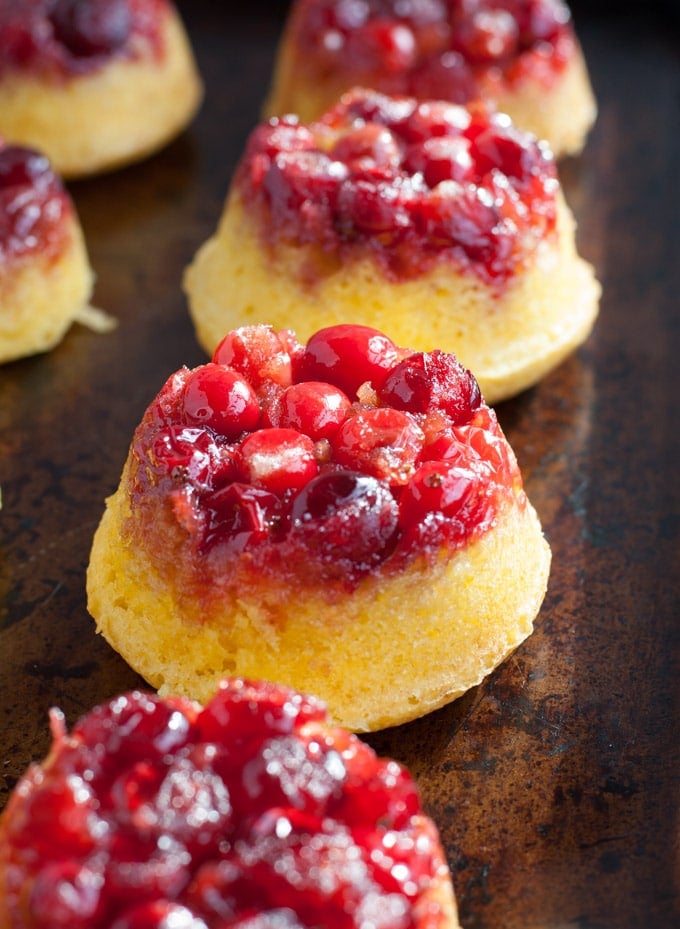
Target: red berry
{"x":442,"y":158}
{"x":239,"y":516}
{"x":433,"y":119}
{"x":136,"y":726}
{"x":278,"y":460}
{"x":383,"y":44}
{"x":66,"y":895}
{"x":20,"y":166}
{"x":220,"y":398}
{"x":313,"y":407}
{"x":348,"y":356}
{"x":251,"y":710}
{"x":349,"y":519}
{"x":507,"y":149}
{"x":367,"y":146}
{"x":298,"y":771}
{"x":284,"y":134}
{"x":257,"y":353}
{"x":441,"y":488}
{"x":372,"y":207}
{"x":486,"y":36}
{"x":427,"y":381}
{"x":189,"y":454}
{"x":94,"y":28}
{"x":295,"y":178}
{"x":379,"y":441}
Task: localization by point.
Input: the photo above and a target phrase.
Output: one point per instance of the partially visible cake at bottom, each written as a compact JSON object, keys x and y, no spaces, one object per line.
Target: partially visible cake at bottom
{"x":250,"y":811}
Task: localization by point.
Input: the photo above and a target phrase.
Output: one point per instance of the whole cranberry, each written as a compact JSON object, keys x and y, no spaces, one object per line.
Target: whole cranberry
{"x":348,"y":518}
{"x":299,"y":177}
{"x":66,"y":895}
{"x":257,"y":353}
{"x":379,"y":441}
{"x":371,"y":206}
{"x":188,"y":454}
{"x":486,"y":36}
{"x":507,"y":149}
{"x":20,"y":166}
{"x":384,"y":43}
{"x":221,"y":398}
{"x":348,"y":356}
{"x":442,"y":158}
{"x":375,"y":787}
{"x":440,"y":488}
{"x":91,"y":27}
{"x":433,"y":119}
{"x":314,"y":408}
{"x":428,"y":381}
{"x":246,"y":710}
{"x":136,"y":725}
{"x":278,"y":460}
{"x":297,"y":771}
{"x":239,"y":516}
{"x":368,"y":145}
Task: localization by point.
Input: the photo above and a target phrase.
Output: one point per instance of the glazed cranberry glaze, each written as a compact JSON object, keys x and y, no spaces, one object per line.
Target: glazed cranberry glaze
{"x":250,"y":812}
{"x":408,"y":182}
{"x":315,"y":465}
{"x":63,"y":38}
{"x":33,"y":205}
{"x":458,"y":50}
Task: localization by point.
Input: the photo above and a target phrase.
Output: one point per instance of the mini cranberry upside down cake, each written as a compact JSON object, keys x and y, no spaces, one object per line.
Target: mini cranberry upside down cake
{"x":249,"y":812}
{"x":344,"y":517}
{"x":45,"y":276}
{"x":522,"y":55}
{"x":442,"y":225}
{"x":94,"y":84}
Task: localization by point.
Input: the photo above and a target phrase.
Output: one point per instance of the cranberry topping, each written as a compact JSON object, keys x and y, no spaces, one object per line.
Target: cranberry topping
{"x":70,"y":37}
{"x":433,"y":48}
{"x":331,"y":477}
{"x":33,"y":204}
{"x":415,"y":183}
{"x":249,"y":812}
{"x":93,"y":28}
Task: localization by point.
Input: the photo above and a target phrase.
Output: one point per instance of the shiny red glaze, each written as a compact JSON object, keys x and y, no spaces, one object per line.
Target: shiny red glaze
{"x":65,"y":38}
{"x":409,"y":184}
{"x":34,"y":205}
{"x":324,"y":486}
{"x":251,"y":811}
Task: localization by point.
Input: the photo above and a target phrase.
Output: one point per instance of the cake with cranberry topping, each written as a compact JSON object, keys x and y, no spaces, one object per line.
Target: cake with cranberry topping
{"x":345,"y":517}
{"x":94,"y":84}
{"x":522,"y":55}
{"x":252,"y":811}
{"x":440,"y":224}
{"x":45,"y":275}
